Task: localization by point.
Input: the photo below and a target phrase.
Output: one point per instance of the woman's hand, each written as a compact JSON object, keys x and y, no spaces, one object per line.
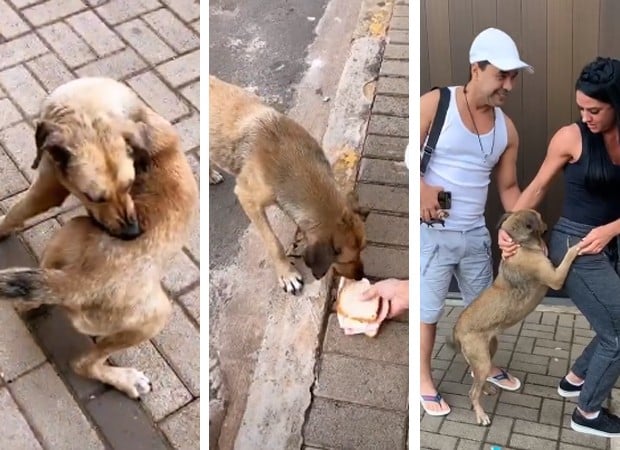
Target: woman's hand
{"x":596,"y":240}
{"x":506,"y":244}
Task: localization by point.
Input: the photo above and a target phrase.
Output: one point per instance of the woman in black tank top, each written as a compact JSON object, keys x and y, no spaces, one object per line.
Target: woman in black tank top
{"x":589,"y":154}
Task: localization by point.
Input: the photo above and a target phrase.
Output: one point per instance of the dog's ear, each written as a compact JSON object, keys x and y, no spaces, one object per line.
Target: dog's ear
{"x":48,"y":137}
{"x":354,"y":205}
{"x":136,"y":136}
{"x":319,"y":258}
{"x":503,"y":219}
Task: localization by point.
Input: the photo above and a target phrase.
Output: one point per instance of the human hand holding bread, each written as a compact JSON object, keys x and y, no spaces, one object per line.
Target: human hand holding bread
{"x":363,"y":306}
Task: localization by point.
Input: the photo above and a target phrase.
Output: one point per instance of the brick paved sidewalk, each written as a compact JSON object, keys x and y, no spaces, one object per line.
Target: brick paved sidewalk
{"x":360,"y":395}
{"x":538,"y":351}
{"x":153,"y":46}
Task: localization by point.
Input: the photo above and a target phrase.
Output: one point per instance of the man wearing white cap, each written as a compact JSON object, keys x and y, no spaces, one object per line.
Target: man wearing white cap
{"x":477,"y":138}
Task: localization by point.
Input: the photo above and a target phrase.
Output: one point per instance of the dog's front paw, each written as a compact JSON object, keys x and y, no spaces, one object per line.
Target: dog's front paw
{"x":134,"y":383}
{"x":215,"y":177}
{"x":291,"y":280}
{"x":483,"y":419}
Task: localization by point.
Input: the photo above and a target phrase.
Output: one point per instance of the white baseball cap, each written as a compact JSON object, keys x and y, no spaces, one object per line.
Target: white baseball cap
{"x":499,"y":49}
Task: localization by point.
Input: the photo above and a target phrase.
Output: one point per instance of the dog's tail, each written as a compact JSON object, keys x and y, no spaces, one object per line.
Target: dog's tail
{"x":31,"y":285}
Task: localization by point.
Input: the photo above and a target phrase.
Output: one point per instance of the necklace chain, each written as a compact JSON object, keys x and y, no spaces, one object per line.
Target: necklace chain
{"x":484,"y":154}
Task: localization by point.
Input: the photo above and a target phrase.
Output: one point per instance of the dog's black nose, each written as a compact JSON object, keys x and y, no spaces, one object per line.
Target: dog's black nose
{"x":359,"y":273}
{"x":131,"y":231}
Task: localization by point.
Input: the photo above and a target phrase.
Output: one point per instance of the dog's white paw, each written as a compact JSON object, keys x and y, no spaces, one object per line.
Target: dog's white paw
{"x":134,"y":383}
{"x":292,"y":282}
{"x":483,"y":419}
{"x":215,"y":177}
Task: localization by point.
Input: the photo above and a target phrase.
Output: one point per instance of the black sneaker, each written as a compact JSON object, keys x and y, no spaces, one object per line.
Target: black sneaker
{"x":567,"y":389}
{"x":605,"y":425}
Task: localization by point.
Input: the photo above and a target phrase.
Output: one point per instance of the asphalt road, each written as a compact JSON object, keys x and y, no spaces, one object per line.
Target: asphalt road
{"x":260,"y":44}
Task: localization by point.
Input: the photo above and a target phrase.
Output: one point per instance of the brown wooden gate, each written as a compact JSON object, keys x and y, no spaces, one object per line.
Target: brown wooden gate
{"x":557,"y":37}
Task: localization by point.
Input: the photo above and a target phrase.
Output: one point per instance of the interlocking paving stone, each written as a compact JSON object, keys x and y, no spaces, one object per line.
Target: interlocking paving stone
{"x":15,"y":433}
{"x":385,"y":198}
{"x":181,"y":70}
{"x":18,"y":350}
{"x":192,"y":93}
{"x":22,"y":86}
{"x":387,"y":147}
{"x":383,"y":262}
{"x":67,"y":44}
{"x":51,"y":10}
{"x":393,"y":86}
{"x":50,"y":70}
{"x":389,"y":125}
{"x":116,"y":11}
{"x":12,"y":180}
{"x":154,"y":92}
{"x":38,"y":236}
{"x":380,"y":171}
{"x":189,"y":132}
{"x":181,"y":273}
{"x":92,"y":29}
{"x":18,"y":140}
{"x":52,"y":411}
{"x":182,"y":427}
{"x":8,"y":113}
{"x":144,"y":40}
{"x":386,"y":229}
{"x":186,"y":9}
{"x":336,"y":424}
{"x":191,"y":300}
{"x":20,"y":49}
{"x":172,"y":30}
{"x":392,"y":106}
{"x":11,"y":24}
{"x":118,"y":65}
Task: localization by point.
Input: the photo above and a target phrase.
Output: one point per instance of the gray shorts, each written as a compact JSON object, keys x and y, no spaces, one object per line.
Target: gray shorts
{"x":444,"y":253}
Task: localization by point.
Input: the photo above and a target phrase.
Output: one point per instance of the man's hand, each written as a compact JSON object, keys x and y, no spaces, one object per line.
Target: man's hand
{"x":395,"y":292}
{"x":429,"y":201}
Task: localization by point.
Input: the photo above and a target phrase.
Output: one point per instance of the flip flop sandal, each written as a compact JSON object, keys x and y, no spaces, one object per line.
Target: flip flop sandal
{"x":503,"y":375}
{"x":436,"y":399}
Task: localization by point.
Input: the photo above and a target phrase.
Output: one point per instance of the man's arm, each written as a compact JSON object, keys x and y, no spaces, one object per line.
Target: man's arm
{"x":429,"y":203}
{"x":506,"y":169}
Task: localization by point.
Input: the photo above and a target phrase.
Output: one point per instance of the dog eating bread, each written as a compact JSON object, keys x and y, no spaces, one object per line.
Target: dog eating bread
{"x":275,"y":161}
{"x":521,"y":284}
{"x":104,"y":270}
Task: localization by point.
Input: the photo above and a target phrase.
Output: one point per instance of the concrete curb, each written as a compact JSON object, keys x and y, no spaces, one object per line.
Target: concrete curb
{"x":280,"y":393}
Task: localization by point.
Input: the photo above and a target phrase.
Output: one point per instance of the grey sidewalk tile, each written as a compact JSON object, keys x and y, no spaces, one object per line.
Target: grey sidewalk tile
{"x":18,"y":140}
{"x":96,"y":33}
{"x":67,"y":44}
{"x":399,"y":23}
{"x":182,"y":69}
{"x":187,"y":9}
{"x":18,"y":350}
{"x":179,"y":342}
{"x":583,"y":440}
{"x":52,"y":10}
{"x":390,"y":345}
{"x":23,"y":3}
{"x":144,"y":41}
{"x":382,"y":262}
{"x":386,"y":147}
{"x":520,"y":399}
{"x":437,"y":441}
{"x":335,"y":424}
{"x":192,"y":93}
{"x":499,"y":432}
{"x":391,"y":106}
{"x":396,"y":51}
{"x":20,"y":49}
{"x":537,"y":429}
{"x":189,"y":132}
{"x":380,"y":171}
{"x":393,"y":86}
{"x":8,"y":113}
{"x":42,"y":395}
{"x":462,"y":430}
{"x":174,"y":32}
{"x":168,"y":392}
{"x":385,"y":198}
{"x":523,"y":441}
{"x":387,"y":229}
{"x":124,"y":423}
{"x":394,"y":68}
{"x":10,"y":22}
{"x":116,"y":11}
{"x":118,"y":65}
{"x":25,"y":90}
{"x":551,"y":412}
{"x":50,"y":70}
{"x":368,"y":382}
{"x":183,"y":427}
{"x":516,"y":412}
{"x":158,"y":96}
{"x":15,"y":433}
{"x":389,"y":125}
{"x":12,"y":180}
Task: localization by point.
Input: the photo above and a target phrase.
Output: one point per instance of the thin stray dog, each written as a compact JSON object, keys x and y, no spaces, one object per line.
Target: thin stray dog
{"x":521,"y":284}
{"x":276,"y":161}
{"x":109,"y":287}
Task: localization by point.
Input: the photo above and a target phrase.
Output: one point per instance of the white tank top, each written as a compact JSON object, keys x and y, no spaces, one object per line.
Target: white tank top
{"x":459,"y":166}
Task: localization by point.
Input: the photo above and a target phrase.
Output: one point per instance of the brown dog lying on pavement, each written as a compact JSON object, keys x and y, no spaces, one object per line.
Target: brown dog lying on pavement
{"x":276,"y":161}
{"x":521,"y":284}
{"x":98,"y":141}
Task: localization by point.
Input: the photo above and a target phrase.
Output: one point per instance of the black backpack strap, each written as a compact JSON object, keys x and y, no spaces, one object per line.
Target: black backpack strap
{"x":433,"y":135}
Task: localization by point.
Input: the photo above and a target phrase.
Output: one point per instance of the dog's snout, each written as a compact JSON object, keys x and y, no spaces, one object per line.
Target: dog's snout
{"x":131,"y":230}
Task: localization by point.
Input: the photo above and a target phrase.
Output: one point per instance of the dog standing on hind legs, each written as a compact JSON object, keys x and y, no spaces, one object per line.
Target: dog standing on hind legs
{"x":104,"y":270}
{"x":276,"y":162}
{"x":519,"y":287}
